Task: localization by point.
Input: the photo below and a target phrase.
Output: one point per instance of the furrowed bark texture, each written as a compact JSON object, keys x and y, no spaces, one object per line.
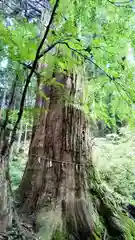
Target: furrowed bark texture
{"x":59,"y":154}
{"x":55,"y":178}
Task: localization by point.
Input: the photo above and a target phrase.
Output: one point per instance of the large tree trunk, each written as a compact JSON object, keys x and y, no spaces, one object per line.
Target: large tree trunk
{"x":59,"y":154}
{"x":55,"y":178}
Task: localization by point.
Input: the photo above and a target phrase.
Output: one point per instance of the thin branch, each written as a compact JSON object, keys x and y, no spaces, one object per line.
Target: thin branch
{"x":29,"y":67}
{"x":90,"y":60}
{"x":125,"y":90}
{"x":86,"y":58}
{"x":49,"y":48}
{"x":32,"y":71}
{"x":79,"y":53}
{"x":47,"y":29}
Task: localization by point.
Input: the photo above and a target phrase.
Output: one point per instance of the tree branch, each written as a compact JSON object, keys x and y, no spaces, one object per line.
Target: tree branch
{"x":49,"y":48}
{"x":90,"y":60}
{"x":76,"y":51}
{"x":32,"y":71}
{"x":47,"y":29}
{"x":29,"y":67}
{"x":110,"y":77}
{"x":79,"y":53}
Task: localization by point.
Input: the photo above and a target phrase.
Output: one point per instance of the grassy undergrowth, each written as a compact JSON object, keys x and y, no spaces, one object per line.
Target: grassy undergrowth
{"x":17,"y":165}
{"x":114,"y":158}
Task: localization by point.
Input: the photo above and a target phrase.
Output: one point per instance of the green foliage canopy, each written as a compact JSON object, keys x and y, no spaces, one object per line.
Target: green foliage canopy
{"x":89,"y":32}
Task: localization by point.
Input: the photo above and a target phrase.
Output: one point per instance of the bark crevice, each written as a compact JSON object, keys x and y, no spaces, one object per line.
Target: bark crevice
{"x":55,"y":178}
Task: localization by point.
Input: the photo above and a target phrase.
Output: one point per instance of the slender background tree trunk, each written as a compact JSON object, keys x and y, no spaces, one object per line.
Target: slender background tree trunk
{"x":19,"y":137}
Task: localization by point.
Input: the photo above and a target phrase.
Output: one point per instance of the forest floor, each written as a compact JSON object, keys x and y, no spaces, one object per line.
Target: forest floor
{"x":114,"y":158}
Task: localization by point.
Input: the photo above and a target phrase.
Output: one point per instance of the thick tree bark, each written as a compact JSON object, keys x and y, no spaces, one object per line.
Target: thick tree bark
{"x":59,"y":154}
{"x":55,"y":178}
